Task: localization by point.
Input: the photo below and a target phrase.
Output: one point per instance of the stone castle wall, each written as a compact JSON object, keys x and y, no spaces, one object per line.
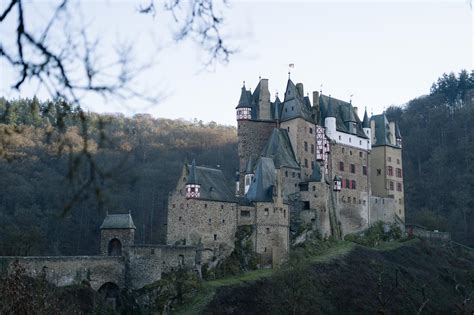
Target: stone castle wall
{"x":303,"y":140}
{"x":148,"y":262}
{"x":317,"y":211}
{"x":352,"y":205}
{"x":194,"y":221}
{"x":69,"y":270}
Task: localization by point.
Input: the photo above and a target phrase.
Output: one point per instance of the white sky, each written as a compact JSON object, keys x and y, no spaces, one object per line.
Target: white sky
{"x":383,"y":53}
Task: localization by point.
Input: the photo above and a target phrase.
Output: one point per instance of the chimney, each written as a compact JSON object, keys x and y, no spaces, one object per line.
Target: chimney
{"x":315,"y":98}
{"x":299,"y":86}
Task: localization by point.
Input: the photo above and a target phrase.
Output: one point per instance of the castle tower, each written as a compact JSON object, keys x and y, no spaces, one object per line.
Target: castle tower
{"x":244,"y":108}
{"x":117,"y":232}
{"x":330,"y":121}
{"x":366,"y":128}
{"x":193,"y":188}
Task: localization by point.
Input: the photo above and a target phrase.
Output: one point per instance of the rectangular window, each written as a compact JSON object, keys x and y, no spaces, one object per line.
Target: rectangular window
{"x":312,"y":148}
{"x":306,"y":146}
{"x":266,"y":211}
{"x":215,"y":237}
{"x":244,"y":213}
{"x":305,"y":162}
{"x":391,"y":185}
{"x":398,"y":161}
{"x":353,"y":184}
{"x":341,"y":166}
{"x":312,"y":165}
{"x":310,"y":130}
{"x":348,"y":183}
{"x":268,"y":230}
{"x":390,"y":171}
{"x":305,"y":205}
{"x":389,"y":159}
{"x":399,"y":172}
{"x":364,"y":170}
{"x":399,"y":186}
{"x":353,"y":168}
{"x":304,"y":187}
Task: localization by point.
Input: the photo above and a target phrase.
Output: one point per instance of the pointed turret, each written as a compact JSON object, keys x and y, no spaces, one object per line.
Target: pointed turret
{"x":261,"y":188}
{"x":277,"y":109}
{"x":244,"y":108}
{"x":365,"y":122}
{"x":193,"y":188}
{"x":330,"y":121}
{"x":192,"y":179}
{"x":367,"y":130}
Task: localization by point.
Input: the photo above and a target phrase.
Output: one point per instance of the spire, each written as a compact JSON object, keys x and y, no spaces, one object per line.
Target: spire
{"x":244,"y":98}
{"x":277,"y":109}
{"x":192,"y":174}
{"x":330,"y":112}
{"x":365,"y":122}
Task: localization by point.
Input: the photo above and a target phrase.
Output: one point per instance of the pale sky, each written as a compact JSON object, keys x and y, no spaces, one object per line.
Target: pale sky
{"x":384,"y":53}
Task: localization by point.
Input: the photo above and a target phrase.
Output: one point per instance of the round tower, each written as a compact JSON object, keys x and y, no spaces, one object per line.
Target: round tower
{"x":193,"y":188}
{"x":244,"y":108}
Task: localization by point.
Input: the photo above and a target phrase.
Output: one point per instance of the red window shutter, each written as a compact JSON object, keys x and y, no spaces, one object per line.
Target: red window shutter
{"x":343,"y":183}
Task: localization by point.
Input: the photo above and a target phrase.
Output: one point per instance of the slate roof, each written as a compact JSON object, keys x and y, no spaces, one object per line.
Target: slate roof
{"x":214,"y":185}
{"x":294,"y":104}
{"x":245,"y":99}
{"x":280,"y":150}
{"x":382,"y":131}
{"x":118,"y":221}
{"x":343,"y":111}
{"x":192,"y":178}
{"x":276,"y":108}
{"x":365,"y":122}
{"x":251,"y":163}
{"x":261,"y":188}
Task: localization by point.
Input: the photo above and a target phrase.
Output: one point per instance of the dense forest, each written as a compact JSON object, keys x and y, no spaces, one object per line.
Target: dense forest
{"x":61,"y":169}
{"x":438,"y":156}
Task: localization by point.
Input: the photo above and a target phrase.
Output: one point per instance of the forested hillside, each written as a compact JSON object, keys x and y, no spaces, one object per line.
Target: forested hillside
{"x":60,"y":171}
{"x":438,"y":156}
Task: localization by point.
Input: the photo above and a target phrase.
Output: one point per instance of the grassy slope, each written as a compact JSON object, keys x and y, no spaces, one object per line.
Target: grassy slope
{"x":350,"y":278}
{"x":209,"y":289}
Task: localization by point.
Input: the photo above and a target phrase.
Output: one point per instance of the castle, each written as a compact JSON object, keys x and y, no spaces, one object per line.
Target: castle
{"x":300,"y":162}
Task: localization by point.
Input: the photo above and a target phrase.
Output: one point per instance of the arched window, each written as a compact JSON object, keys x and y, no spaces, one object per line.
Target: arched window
{"x":115,"y":247}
